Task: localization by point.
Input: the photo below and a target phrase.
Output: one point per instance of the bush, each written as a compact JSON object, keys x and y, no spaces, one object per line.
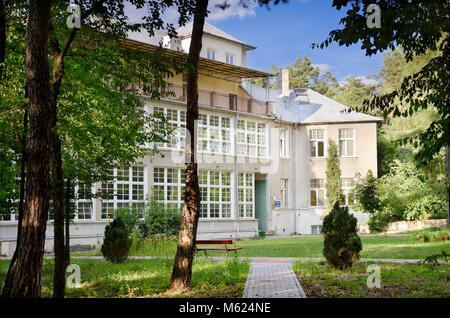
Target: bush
{"x":129,"y":217}
{"x":160,"y":220}
{"x":426,"y":208}
{"x":432,"y":235}
{"x":117,"y":243}
{"x":379,"y":222}
{"x":341,"y":241}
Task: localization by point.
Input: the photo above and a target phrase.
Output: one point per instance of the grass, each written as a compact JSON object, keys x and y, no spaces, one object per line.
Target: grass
{"x":311,"y":246}
{"x":320,"y":280}
{"x":146,"y":278}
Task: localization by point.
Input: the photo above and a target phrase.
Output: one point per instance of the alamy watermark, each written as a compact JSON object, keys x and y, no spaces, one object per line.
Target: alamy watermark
{"x":74,"y":278}
{"x":374,"y":19}
{"x":374,"y":279}
{"x":74,"y":19}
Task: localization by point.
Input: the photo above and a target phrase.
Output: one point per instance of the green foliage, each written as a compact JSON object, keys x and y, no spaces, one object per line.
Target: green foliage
{"x":341,"y":241}
{"x":426,"y":208}
{"x":366,"y":194}
{"x":430,"y":235}
{"x":117,"y":242}
{"x":433,"y":260}
{"x":379,"y":222}
{"x":160,"y":220}
{"x":129,"y":216}
{"x":333,"y":174}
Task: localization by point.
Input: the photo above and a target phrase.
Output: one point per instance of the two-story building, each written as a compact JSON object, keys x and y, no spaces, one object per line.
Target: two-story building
{"x":261,"y":152}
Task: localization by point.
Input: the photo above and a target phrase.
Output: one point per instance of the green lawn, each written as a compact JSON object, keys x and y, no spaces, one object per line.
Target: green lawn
{"x":311,"y":246}
{"x":146,"y":278}
{"x":320,"y":280}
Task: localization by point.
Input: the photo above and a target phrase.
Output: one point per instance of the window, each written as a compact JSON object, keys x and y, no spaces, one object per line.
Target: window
{"x":347,"y":142}
{"x":317,"y":192}
{"x":214,"y":134}
{"x":84,"y":205}
{"x":284,"y":143}
{"x":176,"y":121}
{"x":316,"y":229}
{"x":211,"y":54}
{"x":215,"y":189}
{"x":169,"y":187}
{"x":246,"y":194}
{"x":347,"y":189}
{"x":126,"y":190}
{"x":252,"y":139}
{"x":316,"y":143}
{"x":284,"y":189}
{"x":229,"y":58}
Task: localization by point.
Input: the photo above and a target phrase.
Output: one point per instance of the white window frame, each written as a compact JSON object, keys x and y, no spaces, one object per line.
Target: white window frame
{"x":317,"y":185}
{"x":211,"y":54}
{"x":346,"y":140}
{"x":178,"y":137}
{"x":206,"y":189}
{"x":347,"y":188}
{"x":252,"y":139}
{"x":284,"y":143}
{"x":284,"y":192}
{"x":179,"y":185}
{"x":230,"y":58}
{"x":210,"y":134}
{"x":84,"y":201}
{"x":246,"y":207}
{"x":108,"y":205}
{"x":319,"y":227}
{"x":314,"y":139}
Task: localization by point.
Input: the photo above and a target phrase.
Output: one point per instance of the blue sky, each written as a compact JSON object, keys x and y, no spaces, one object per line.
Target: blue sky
{"x":287,"y":31}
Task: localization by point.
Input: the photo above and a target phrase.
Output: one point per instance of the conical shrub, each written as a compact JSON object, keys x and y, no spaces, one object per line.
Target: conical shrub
{"x":117,"y":241}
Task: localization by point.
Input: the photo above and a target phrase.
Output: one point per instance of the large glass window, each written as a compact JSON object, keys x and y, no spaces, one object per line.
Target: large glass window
{"x":317,"y":192}
{"x":246,"y":186}
{"x":252,"y":139}
{"x":347,"y":191}
{"x":347,"y":142}
{"x":214,"y":134}
{"x":176,"y":121}
{"x":316,"y":143}
{"x":126,"y":190}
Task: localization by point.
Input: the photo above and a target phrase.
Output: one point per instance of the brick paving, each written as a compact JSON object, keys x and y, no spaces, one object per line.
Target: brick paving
{"x":272,"y":280}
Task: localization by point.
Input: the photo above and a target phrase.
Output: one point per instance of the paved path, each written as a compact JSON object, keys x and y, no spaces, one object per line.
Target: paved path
{"x":272,"y":280}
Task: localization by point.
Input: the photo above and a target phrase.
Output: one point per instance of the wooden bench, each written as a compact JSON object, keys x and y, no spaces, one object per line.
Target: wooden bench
{"x":211,"y":242}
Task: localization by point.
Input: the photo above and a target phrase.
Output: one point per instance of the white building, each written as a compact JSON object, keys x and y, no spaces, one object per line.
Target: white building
{"x":261,"y":152}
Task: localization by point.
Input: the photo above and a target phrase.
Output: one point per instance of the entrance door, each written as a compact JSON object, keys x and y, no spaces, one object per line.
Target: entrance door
{"x":262,"y":203}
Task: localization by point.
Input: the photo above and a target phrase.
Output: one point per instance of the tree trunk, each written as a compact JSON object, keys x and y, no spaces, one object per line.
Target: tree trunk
{"x":23,"y":161}
{"x":67,"y":234}
{"x":447,"y":172}
{"x":26,"y":278}
{"x":2,"y":36}
{"x":182,"y":267}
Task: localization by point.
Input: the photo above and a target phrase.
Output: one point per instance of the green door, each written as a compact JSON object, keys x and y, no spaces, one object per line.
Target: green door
{"x":262,"y":203}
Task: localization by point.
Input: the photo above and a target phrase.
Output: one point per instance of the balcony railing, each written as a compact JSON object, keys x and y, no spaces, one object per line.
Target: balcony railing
{"x":219,"y":100}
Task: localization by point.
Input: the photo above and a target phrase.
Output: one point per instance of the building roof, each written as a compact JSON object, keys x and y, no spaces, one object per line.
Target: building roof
{"x":306,"y":106}
{"x":210,"y":29}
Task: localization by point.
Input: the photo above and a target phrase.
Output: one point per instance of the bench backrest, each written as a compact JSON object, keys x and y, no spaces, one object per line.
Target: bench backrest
{"x":214,"y":242}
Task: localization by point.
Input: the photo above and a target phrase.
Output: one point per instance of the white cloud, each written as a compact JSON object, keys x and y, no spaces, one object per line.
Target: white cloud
{"x":368,"y":80}
{"x":323,"y":67}
{"x":234,"y":9}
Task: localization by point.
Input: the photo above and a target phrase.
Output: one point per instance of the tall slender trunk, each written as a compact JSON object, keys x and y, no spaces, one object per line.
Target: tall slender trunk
{"x":182,"y":267}
{"x":23,"y":161}
{"x":26,"y":279}
{"x":59,"y":278}
{"x":447,"y":173}
{"x":2,"y":36}
{"x":67,"y":217}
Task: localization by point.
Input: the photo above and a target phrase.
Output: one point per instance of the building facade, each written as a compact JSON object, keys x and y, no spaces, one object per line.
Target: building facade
{"x":261,"y":152}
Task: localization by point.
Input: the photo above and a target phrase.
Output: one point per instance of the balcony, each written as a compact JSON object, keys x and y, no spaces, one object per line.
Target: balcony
{"x":218,"y":100}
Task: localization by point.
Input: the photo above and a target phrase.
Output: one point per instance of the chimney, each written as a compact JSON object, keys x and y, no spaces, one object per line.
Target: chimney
{"x":285,"y":82}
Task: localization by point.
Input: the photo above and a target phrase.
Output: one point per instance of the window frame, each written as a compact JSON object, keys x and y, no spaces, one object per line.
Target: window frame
{"x":284,"y":192}
{"x":316,"y":141}
{"x":346,"y":140}
{"x":284,"y":143}
{"x":230,"y":56}
{"x":320,"y":187}
{"x":210,"y":52}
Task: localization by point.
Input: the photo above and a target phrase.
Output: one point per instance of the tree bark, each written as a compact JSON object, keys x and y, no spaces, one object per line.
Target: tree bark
{"x":23,"y":161}
{"x":182,"y":269}
{"x":2,"y":36}
{"x":447,"y":172}
{"x":67,"y":217}
{"x":26,"y":278}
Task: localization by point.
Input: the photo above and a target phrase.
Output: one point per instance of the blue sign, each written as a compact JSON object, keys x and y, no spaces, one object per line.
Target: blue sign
{"x":277,"y":204}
